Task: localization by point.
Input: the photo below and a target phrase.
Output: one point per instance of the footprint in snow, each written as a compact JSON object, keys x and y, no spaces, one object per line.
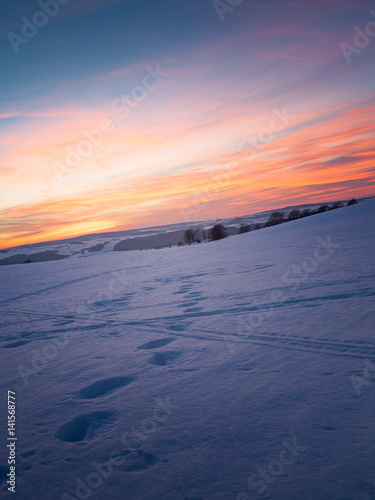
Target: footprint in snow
{"x":84,"y":426}
{"x":103,"y":387}
{"x":154,"y":344}
{"x":164,"y":358}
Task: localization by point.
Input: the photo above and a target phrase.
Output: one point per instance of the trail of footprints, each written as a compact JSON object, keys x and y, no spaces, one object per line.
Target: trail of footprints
{"x":191,"y":300}
{"x":88,"y":425}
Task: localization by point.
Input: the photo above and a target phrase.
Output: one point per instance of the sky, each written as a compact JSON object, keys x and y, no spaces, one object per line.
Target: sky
{"x":119,"y":114}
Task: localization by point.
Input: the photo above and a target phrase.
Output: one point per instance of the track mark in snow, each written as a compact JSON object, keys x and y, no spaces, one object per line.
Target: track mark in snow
{"x":179,"y":327}
{"x":164,"y":358}
{"x":92,"y":327}
{"x":154,"y":344}
{"x":16,"y":344}
{"x":102,"y":387}
{"x":188,"y":304}
{"x":193,"y":309}
{"x":83,"y":426}
{"x":249,"y":307}
{"x":347,"y":349}
{"x":264,"y":266}
{"x":124,"y":300}
{"x":55,"y":287}
{"x":316,"y":342}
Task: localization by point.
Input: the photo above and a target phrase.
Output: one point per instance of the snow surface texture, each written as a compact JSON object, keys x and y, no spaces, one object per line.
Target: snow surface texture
{"x":241,"y":369}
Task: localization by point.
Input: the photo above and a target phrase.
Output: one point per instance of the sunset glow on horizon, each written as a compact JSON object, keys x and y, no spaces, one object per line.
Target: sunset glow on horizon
{"x":120,"y":115}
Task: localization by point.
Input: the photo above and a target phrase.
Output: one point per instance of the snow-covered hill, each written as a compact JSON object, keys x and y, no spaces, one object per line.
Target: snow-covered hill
{"x":133,"y":239}
{"x":241,"y":369}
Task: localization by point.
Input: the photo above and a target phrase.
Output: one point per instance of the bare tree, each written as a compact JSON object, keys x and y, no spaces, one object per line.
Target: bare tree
{"x":352,"y":202}
{"x":322,"y":208}
{"x":244,"y":228}
{"x":295,"y":214}
{"x":218,"y":232}
{"x":338,"y":204}
{"x":275,"y":218}
{"x":189,"y":236}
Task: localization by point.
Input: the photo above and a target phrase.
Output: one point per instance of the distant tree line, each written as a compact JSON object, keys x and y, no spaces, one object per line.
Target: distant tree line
{"x":279,"y":217}
{"x":219,"y":232}
{"x":191,"y":236}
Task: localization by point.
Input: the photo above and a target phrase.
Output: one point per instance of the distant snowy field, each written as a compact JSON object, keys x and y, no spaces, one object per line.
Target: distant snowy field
{"x":241,"y":369}
{"x":132,"y":239}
